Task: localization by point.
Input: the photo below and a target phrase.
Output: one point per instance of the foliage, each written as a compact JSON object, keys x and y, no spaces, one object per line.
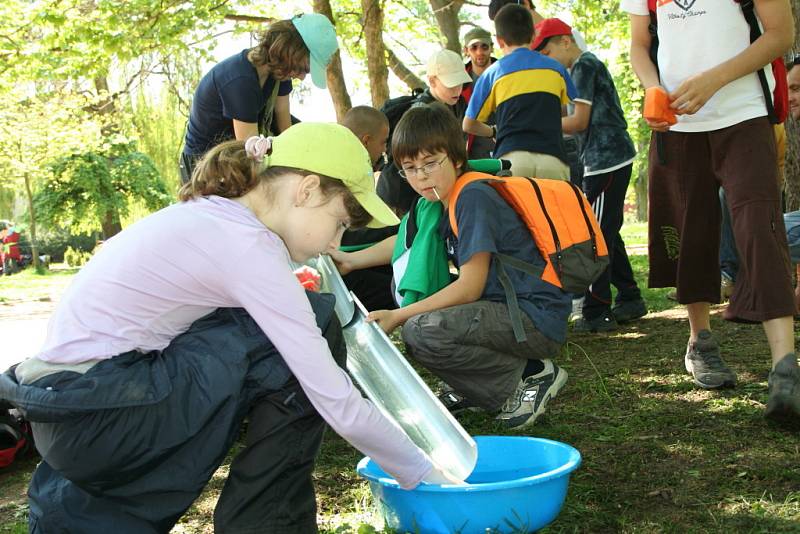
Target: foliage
{"x":84,"y":186}
{"x":158,"y":124}
{"x":76,"y":258}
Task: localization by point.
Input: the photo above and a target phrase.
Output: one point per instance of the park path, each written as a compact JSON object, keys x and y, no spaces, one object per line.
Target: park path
{"x":23,"y":324}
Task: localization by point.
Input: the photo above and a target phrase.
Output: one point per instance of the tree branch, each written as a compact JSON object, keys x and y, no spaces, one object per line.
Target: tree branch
{"x":401,"y":71}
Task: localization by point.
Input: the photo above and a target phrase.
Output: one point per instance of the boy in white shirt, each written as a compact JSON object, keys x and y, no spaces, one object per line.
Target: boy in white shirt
{"x":723,"y":138}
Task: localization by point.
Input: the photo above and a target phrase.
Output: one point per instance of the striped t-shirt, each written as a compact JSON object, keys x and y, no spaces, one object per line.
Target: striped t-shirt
{"x":526,"y":91}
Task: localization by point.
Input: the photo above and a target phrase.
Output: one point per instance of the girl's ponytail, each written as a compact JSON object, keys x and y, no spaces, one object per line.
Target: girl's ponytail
{"x":227,"y":170}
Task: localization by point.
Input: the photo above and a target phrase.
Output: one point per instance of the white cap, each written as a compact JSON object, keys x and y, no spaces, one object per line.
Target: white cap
{"x":448,"y":67}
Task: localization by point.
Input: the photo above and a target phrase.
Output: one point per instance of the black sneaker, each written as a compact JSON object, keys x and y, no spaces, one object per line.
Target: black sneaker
{"x":454,"y":402}
{"x":704,"y":362}
{"x":629,"y":310}
{"x":530,"y":398}
{"x":784,"y":390}
{"x":604,"y":322}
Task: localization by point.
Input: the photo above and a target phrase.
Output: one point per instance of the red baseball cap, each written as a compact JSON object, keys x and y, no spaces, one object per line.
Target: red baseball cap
{"x":549,"y":28}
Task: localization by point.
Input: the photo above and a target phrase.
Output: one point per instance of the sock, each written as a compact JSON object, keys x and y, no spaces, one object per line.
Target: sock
{"x":533,"y":367}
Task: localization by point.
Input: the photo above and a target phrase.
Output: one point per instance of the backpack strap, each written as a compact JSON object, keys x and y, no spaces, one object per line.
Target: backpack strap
{"x":461,"y":182}
{"x":748,"y":9}
{"x":498,"y":259}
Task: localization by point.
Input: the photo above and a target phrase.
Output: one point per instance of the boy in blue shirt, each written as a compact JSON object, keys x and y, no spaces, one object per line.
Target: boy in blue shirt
{"x":463,"y":332}
{"x":528,"y":94}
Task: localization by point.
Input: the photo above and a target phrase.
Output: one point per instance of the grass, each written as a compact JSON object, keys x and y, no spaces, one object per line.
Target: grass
{"x":28,"y":286}
{"x":659,"y":455}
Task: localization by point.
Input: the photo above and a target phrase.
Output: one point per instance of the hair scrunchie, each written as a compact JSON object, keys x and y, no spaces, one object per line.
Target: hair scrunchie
{"x":258,"y":146}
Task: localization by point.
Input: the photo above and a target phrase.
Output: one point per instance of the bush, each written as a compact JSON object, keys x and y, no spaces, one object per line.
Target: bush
{"x":54,"y":243}
{"x":76,"y":258}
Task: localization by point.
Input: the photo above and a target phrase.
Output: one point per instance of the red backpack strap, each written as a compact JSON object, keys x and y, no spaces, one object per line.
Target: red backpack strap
{"x":461,"y":182}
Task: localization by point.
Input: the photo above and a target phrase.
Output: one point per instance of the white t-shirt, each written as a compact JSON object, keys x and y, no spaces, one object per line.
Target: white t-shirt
{"x":695,"y":36}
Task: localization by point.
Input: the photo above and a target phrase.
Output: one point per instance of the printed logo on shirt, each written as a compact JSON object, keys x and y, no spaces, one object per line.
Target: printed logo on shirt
{"x":685,"y":4}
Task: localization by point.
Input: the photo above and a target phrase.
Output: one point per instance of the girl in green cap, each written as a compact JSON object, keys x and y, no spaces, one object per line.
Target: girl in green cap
{"x":149,"y":367}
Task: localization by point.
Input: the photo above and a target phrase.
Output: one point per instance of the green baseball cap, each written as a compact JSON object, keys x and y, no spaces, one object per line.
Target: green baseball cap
{"x":477,"y":35}
{"x":320,"y":37}
{"x":333,"y":150}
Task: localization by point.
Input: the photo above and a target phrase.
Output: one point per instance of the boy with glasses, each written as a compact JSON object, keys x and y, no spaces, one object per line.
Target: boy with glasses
{"x":463,"y":331}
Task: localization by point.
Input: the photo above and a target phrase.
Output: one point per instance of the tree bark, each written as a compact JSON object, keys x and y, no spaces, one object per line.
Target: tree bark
{"x":335,"y":76}
{"x":401,"y":71}
{"x":446,"y":13}
{"x":792,"y":170}
{"x":376,"y":55}
{"x":32,"y":221}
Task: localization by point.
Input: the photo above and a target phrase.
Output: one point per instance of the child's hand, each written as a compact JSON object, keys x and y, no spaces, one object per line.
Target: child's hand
{"x":694,"y":92}
{"x":388,"y":320}
{"x":341,"y":260}
{"x":657,"y":126}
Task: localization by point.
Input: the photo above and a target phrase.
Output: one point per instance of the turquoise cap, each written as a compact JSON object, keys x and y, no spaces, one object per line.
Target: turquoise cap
{"x":320,"y":37}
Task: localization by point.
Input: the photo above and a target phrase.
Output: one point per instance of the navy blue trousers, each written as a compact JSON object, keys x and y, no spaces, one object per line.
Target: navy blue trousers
{"x":129,"y":445}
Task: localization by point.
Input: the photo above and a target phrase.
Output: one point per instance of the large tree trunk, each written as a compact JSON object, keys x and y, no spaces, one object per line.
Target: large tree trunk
{"x":32,"y":222}
{"x":401,"y":71}
{"x":335,"y":77}
{"x":446,"y":13}
{"x":106,"y":109}
{"x":376,"y":55}
{"x":792,"y":173}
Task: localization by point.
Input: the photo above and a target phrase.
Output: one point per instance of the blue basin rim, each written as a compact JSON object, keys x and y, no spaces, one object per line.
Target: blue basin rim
{"x":572,"y":463}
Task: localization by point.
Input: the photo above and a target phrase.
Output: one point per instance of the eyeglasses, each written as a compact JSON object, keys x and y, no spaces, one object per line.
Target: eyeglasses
{"x":476,"y":46}
{"x":427,"y":170}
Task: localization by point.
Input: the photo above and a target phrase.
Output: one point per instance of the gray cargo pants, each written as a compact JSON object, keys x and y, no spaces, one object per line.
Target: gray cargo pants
{"x":472,"y":348}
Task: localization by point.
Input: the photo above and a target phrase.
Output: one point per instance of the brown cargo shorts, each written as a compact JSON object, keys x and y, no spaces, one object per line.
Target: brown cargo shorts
{"x":684,"y":218}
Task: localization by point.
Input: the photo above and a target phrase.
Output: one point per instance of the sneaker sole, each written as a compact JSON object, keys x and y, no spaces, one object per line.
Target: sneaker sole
{"x":725,"y":385}
{"x":552,"y":393}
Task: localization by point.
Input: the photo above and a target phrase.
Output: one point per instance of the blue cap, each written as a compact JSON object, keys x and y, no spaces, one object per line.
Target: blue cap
{"x":320,"y":37}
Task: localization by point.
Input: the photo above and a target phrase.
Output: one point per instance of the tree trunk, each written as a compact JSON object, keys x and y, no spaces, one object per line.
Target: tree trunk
{"x":110,"y":226}
{"x":32,"y":221}
{"x":106,"y":109}
{"x":403,"y":72}
{"x":446,"y":13}
{"x":376,"y":55}
{"x":335,"y":77}
{"x":792,"y":171}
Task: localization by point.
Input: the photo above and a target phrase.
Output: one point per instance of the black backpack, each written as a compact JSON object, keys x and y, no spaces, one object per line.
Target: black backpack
{"x":395,"y":108}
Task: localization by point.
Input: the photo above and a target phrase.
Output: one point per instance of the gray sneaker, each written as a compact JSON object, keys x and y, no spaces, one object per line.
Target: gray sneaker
{"x":530,"y":398}
{"x":704,"y":362}
{"x":784,"y":389}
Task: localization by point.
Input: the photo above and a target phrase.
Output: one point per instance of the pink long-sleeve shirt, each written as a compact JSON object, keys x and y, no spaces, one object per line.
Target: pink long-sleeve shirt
{"x":149,"y":283}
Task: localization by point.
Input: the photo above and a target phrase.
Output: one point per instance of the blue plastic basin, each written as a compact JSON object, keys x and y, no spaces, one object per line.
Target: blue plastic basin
{"x":518,"y":485}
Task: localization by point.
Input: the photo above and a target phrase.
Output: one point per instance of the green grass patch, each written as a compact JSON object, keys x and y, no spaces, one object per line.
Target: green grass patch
{"x":659,"y":455}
